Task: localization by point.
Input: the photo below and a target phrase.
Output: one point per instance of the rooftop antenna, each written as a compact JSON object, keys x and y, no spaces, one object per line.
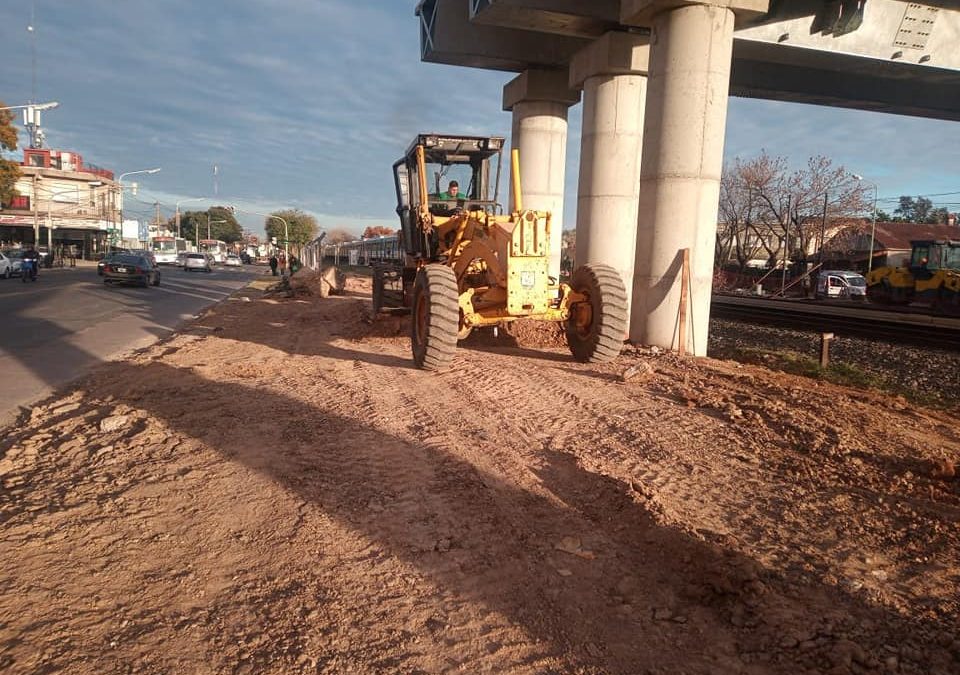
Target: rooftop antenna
{"x":31,"y":114}
{"x":33,"y":47}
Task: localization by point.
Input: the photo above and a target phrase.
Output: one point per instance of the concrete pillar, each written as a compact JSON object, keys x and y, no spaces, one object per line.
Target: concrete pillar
{"x":690,"y":54}
{"x":539,"y":100}
{"x":612,"y":73}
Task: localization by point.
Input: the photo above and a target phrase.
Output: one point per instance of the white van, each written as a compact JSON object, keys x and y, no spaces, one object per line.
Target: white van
{"x":841,"y":284}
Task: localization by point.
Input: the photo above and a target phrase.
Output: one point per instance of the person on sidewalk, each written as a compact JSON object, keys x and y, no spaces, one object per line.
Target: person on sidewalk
{"x":273,"y":265}
{"x":283,"y":265}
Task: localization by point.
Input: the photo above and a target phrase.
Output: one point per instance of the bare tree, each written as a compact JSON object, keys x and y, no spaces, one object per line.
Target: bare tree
{"x":340,"y":235}
{"x":765,"y":205}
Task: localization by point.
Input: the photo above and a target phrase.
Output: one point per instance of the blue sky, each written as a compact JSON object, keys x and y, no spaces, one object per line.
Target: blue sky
{"x":306,"y":103}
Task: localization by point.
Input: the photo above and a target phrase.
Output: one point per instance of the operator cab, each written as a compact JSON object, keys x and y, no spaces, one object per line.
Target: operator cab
{"x":929,"y":256}
{"x":468,"y":160}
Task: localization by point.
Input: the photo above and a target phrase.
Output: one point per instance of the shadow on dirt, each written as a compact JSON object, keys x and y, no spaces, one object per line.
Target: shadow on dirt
{"x":583,"y":565}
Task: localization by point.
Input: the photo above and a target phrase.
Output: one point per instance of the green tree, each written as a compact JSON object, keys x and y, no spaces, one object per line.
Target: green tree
{"x":302,"y":226}
{"x":938,"y":216}
{"x":912,"y":210}
{"x":9,"y":170}
{"x":229,"y":231}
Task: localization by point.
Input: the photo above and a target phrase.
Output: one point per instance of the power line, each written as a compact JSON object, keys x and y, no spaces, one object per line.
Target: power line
{"x":937,"y":194}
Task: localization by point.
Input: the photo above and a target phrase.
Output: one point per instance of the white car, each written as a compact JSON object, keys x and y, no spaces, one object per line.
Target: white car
{"x":233,"y":261}
{"x":165,"y":257}
{"x":841,"y":284}
{"x":10,"y":262}
{"x":196,"y":261}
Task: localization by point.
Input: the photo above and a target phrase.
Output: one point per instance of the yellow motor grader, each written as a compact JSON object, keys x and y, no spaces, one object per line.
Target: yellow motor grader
{"x":466,"y":264}
{"x":932,"y":275}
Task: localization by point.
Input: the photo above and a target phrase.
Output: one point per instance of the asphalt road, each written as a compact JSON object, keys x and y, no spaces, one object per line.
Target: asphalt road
{"x":54,"y":329}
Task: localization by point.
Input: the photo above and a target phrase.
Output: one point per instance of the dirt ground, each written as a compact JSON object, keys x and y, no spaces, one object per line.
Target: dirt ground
{"x":277,"y":490}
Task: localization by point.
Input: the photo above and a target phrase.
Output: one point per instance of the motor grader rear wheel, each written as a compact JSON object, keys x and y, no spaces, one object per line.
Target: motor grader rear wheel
{"x":436,"y":317}
{"x":596,"y":327}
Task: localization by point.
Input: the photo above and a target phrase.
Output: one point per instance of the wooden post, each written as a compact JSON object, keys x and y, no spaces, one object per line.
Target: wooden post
{"x":825,"y":340}
{"x":684,"y":301}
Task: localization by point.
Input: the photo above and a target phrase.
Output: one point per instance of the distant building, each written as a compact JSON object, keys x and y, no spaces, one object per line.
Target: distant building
{"x":62,"y":202}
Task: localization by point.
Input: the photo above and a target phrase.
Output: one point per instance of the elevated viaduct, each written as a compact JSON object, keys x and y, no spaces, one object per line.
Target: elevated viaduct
{"x":654,"y":77}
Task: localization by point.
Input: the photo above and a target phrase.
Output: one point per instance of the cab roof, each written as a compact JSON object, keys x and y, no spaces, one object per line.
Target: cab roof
{"x":445,"y":148}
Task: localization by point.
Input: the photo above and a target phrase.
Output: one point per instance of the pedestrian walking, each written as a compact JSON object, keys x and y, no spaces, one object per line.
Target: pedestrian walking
{"x":283,"y":265}
{"x":273,"y":265}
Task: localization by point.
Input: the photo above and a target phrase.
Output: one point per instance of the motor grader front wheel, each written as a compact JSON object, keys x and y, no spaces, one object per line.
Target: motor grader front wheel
{"x":596,"y":327}
{"x":436,"y":317}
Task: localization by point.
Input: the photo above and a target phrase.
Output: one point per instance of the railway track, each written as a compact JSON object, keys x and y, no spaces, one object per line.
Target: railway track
{"x":913,"y":328}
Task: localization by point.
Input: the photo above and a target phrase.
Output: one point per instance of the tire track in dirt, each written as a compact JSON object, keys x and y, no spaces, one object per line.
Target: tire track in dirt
{"x":466,"y":511}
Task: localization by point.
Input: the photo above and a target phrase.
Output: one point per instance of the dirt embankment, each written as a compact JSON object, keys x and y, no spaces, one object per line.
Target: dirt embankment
{"x":276,"y":490}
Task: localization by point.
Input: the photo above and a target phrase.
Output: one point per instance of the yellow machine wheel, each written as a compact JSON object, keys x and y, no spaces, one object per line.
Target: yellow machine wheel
{"x":436,"y":317}
{"x":596,"y":327}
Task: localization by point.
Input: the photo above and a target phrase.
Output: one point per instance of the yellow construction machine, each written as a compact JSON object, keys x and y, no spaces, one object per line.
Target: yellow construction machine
{"x":932,"y":276}
{"x":467,"y":264}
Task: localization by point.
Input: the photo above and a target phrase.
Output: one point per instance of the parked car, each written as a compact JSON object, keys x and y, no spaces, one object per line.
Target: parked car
{"x":841,"y":284}
{"x":6,"y":266}
{"x":15,"y":257}
{"x":232,"y":260}
{"x":129,"y":268}
{"x":197,"y":261}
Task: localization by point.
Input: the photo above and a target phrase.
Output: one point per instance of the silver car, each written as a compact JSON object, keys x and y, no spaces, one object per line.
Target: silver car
{"x":196,"y":261}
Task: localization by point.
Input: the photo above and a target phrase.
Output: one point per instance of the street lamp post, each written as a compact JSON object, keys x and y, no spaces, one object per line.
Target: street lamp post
{"x":209,"y":223}
{"x":120,"y":188}
{"x":873,"y":221}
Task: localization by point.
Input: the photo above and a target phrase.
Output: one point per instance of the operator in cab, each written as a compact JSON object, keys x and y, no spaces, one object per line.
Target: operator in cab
{"x":453,"y":192}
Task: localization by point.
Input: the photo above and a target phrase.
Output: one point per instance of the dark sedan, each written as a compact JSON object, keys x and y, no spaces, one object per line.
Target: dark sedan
{"x":105,"y":260}
{"x":131,"y":269}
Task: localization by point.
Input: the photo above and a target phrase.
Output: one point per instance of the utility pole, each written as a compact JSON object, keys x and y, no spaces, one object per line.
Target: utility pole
{"x":36,"y":212}
{"x":823,"y":229}
{"x":786,"y":246}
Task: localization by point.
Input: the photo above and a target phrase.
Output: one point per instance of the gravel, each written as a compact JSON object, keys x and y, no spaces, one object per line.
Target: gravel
{"x":933,"y":374}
